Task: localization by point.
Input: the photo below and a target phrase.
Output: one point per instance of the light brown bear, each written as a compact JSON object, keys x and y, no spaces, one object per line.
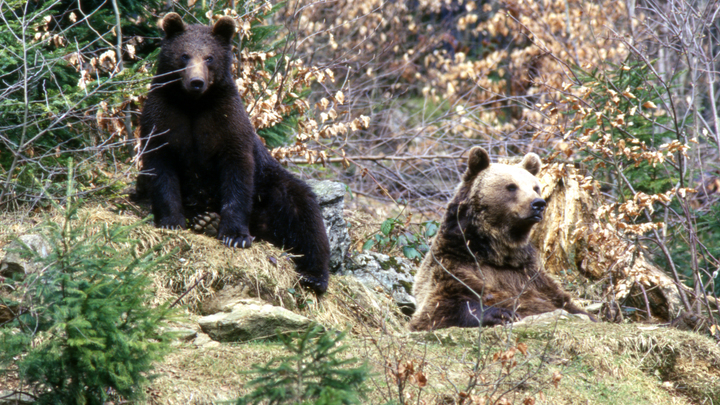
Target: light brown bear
{"x":482,"y":269}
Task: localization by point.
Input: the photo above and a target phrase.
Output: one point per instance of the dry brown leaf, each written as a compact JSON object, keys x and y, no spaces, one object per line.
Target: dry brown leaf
{"x":556,"y":377}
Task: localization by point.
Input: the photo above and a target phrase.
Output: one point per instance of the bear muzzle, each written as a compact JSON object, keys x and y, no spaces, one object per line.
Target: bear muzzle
{"x":195,"y":86}
{"x":195,"y":77}
{"x":538,"y":208}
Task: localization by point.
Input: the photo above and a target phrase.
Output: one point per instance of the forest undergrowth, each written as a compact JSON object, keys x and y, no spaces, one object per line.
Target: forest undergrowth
{"x":387,"y":97}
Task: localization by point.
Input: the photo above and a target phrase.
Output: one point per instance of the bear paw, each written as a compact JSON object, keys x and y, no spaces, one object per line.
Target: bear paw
{"x":240,"y":241}
{"x":497,"y":316}
{"x":206,"y":223}
{"x":317,"y":285}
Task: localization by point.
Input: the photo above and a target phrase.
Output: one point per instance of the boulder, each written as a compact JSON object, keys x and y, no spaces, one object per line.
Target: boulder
{"x":203,"y":340}
{"x":14,"y":263}
{"x":15,"y":398}
{"x":251,"y":319}
{"x":392,"y":275}
{"x":331,"y":195}
{"x":225,"y":299}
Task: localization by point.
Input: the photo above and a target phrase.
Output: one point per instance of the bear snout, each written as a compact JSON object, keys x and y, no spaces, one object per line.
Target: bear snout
{"x":195,"y":77}
{"x":538,"y":204}
{"x":538,"y":207}
{"x":196,"y":84}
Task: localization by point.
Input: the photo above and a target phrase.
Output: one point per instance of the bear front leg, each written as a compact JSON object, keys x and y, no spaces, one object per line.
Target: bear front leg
{"x":237,"y":190}
{"x":166,"y":196}
{"x":561,"y":299}
{"x":465,"y":313}
{"x":473,"y":314}
{"x":492,"y":316}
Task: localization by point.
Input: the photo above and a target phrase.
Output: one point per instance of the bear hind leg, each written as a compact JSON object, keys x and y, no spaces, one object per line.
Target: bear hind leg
{"x":288,"y":216}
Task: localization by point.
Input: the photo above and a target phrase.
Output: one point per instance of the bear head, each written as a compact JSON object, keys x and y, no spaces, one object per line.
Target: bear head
{"x":501,"y":201}
{"x":197,"y":56}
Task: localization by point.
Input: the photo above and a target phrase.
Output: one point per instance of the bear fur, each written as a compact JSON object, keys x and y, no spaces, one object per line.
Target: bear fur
{"x":201,"y":153}
{"x":481,"y":269}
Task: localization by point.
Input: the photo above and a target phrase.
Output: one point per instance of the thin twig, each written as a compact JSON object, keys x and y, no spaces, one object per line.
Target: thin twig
{"x":189,"y":289}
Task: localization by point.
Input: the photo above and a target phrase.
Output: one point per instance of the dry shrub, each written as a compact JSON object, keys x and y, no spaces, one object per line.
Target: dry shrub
{"x":436,"y":78}
{"x":592,"y":255}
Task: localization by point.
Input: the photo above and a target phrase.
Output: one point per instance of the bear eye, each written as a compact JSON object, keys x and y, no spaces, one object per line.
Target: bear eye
{"x":536,"y":189}
{"x":511,"y":187}
{"x":209,"y":59}
{"x":185,"y":57}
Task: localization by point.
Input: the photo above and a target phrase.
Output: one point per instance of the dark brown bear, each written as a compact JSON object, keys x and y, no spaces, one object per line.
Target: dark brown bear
{"x":482,"y":269}
{"x":201,"y":153}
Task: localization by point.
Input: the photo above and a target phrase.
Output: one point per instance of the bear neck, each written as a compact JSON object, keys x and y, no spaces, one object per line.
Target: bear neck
{"x":469,"y":237}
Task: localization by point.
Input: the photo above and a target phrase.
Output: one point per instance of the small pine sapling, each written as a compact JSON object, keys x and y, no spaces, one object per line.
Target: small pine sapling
{"x":314,"y":372}
{"x":88,"y":333}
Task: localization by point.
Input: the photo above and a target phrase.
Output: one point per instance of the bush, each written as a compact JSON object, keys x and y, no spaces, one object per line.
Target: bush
{"x":73,"y":73}
{"x":86,"y":331}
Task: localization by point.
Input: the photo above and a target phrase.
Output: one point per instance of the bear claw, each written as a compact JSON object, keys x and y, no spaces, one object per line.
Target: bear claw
{"x":238,"y":241}
{"x":316,"y":285}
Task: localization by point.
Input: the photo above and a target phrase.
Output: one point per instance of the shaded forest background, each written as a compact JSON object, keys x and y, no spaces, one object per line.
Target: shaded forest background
{"x":387,"y":96}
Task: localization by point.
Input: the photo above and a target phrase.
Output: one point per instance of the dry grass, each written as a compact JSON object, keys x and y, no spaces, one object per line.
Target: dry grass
{"x":590,"y":363}
{"x":596,"y":363}
{"x":199,"y":266}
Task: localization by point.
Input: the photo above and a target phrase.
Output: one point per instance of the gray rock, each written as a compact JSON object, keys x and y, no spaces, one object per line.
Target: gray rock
{"x":394,"y":275}
{"x":203,"y":340}
{"x":252,"y":320}
{"x":15,"y":398}
{"x":456,"y":336}
{"x":13,"y":262}
{"x":226,"y":298}
{"x":331,"y":196}
{"x":558,"y":315}
{"x":182,"y":334}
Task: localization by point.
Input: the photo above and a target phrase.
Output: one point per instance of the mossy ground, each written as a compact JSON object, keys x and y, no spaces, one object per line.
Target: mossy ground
{"x":566,"y":363}
{"x":563,"y":363}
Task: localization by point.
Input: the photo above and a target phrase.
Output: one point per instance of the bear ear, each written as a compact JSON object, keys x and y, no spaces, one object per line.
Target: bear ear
{"x":478,"y":160}
{"x":531,"y":162}
{"x":172,"y":24}
{"x":224,"y":28}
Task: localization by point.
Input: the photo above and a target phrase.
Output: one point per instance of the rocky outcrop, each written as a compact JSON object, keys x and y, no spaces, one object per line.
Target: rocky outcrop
{"x":14,"y":263}
{"x":331,"y":195}
{"x":15,"y":398}
{"x":548,"y":318}
{"x":248,"y":319}
{"x":388,"y":274}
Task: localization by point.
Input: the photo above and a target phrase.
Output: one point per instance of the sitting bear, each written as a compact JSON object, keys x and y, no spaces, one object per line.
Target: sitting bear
{"x":201,"y":153}
{"x":481,"y":268}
